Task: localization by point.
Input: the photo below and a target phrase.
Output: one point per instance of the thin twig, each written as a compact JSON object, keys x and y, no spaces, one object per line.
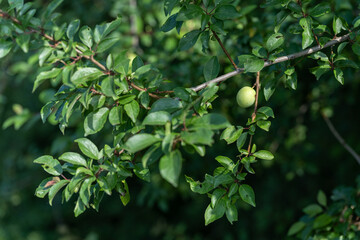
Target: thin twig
{"x":224,"y":49}
{"x":340,"y":139}
{"x":5,"y":15}
{"x":278,"y":60}
{"x":253,"y":116}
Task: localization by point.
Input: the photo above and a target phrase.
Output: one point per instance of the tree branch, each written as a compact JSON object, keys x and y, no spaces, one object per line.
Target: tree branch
{"x":278,"y":60}
{"x":253,"y":116}
{"x":5,"y":15}
{"x":224,"y":49}
{"x":339,"y":138}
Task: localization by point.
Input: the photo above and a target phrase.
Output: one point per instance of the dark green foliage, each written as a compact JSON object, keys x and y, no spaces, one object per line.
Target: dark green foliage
{"x":125,"y":93}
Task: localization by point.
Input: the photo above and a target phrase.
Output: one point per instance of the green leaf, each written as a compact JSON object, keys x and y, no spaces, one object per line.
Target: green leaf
{"x":226,"y":162}
{"x":108,"y":87}
{"x":85,"y":191}
{"x":83,"y":75}
{"x":213,"y":214}
{"x":136,"y":63}
{"x":320,"y":70}
{"x":320,"y":10}
{"x":234,"y":188}
{"x":337,"y":25}
{"x":211,"y":121}
{"x":274,"y":41}
{"x":217,"y":195}
{"x":189,"y":40}
{"x":51,"y":7}
{"x":169,"y":6}
{"x":339,"y":75}
{"x":88,"y":148}
{"x":140,"y":141}
{"x":132,"y":109}
{"x":121,"y":64}
{"x":225,"y":12}
{"x":267,"y":111}
{"x":170,"y":167}
{"x":50,"y":165}
{"x":79,"y":207}
{"x":73,"y":158}
{"x":115,"y":115}
{"x":313,"y":210}
{"x":199,"y":136}
{"x":211,"y":68}
{"x":321,"y":198}
{"x":55,"y":189}
{"x":151,"y":155}
{"x":231,"y":212}
{"x":355,"y":47}
{"x":5,"y":48}
{"x":18,"y":4}
{"x":251,"y":63}
{"x":307,"y":37}
{"x":125,"y":196}
{"x":241,"y":140}
{"x":265,"y":125}
{"x":322,"y":221}
{"x":86,"y":36}
{"x":157,"y":118}
{"x":73,"y":28}
{"x":231,"y":134}
{"x":263,"y":154}
{"x":53,"y":73}
{"x":44,"y":187}
{"x":294,"y":7}
{"x":166,"y":104}
{"x":247,"y":194}
{"x":199,"y":187}
{"x":189,"y":12}
{"x":95,"y":121}
{"x":295,"y":228}
{"x":356,"y":22}
{"x":169,"y":24}
{"x":106,"y":44}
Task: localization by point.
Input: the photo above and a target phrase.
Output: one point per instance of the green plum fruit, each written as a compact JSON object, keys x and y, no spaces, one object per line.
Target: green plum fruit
{"x":246,"y":97}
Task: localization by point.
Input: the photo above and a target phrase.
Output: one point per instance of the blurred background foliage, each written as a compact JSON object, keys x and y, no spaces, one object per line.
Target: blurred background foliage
{"x":307,"y":156}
